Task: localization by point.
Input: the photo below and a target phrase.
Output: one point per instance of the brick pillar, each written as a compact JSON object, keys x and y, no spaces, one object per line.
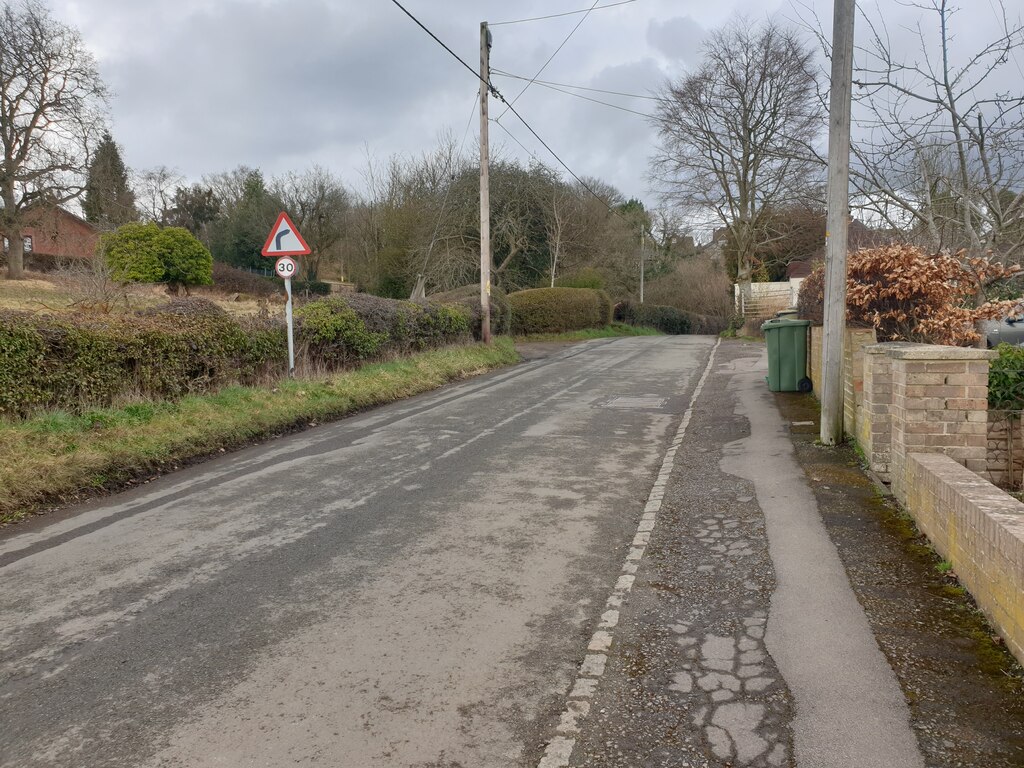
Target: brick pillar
{"x":939,"y":405}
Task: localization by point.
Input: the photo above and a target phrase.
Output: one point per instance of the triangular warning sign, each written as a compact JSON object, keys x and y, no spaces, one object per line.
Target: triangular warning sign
{"x":285,"y":239}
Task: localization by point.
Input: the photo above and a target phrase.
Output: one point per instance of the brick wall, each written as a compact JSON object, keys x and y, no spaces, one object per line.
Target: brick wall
{"x":939,"y":405}
{"x":854,"y":342}
{"x":980,"y":530}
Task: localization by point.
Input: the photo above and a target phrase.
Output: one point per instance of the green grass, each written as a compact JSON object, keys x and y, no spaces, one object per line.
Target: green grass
{"x":59,"y":456}
{"x":612,"y":331}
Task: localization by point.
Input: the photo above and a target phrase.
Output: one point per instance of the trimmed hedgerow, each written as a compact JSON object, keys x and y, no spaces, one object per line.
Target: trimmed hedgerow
{"x":557,"y":310}
{"x":79,"y":361}
{"x":468,"y":296}
{"x":658,"y":316}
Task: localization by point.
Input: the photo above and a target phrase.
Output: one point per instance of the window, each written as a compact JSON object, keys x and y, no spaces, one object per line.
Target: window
{"x":28,"y":243}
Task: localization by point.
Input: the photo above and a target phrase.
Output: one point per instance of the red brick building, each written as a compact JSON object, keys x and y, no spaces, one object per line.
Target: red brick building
{"x":56,"y":234}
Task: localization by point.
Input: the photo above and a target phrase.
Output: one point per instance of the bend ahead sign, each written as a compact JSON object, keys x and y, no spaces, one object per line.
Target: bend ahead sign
{"x":285,"y":240}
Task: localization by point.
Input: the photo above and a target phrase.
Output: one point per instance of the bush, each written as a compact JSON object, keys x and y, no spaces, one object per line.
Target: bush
{"x":1006,"y":379}
{"x":233,"y":280}
{"x":658,"y":316}
{"x":909,"y":295}
{"x":132,"y":253}
{"x":557,"y":310}
{"x":144,"y":253}
{"x":190,"y":345}
{"x":186,"y":260}
{"x":79,"y":361}
{"x":588,"y":277}
{"x":468,"y":296}
{"x":338,"y":331}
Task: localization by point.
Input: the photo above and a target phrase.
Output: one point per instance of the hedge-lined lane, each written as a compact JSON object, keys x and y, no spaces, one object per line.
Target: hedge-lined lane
{"x":60,"y":456}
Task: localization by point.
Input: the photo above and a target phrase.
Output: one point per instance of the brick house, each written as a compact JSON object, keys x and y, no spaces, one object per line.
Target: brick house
{"x":55,"y":234}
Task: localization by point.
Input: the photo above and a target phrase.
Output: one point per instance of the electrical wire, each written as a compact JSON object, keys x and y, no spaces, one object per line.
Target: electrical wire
{"x":441,"y":43}
{"x":503,"y":73}
{"x":593,"y":100}
{"x":509,"y":105}
{"x":558,"y":15}
{"x":552,"y":56}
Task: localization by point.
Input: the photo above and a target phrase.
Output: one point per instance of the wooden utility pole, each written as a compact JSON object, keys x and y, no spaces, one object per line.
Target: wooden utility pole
{"x":837,"y":227}
{"x":485,"y":187}
{"x":641,"y":266}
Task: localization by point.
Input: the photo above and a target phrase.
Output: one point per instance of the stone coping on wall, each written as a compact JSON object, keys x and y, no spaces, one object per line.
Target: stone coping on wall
{"x":939,"y":352}
{"x":979,"y":529}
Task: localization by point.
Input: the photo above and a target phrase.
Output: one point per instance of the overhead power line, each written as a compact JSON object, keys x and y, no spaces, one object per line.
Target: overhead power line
{"x":442,"y":44}
{"x":552,"y":56}
{"x":593,"y":100}
{"x":509,"y":106}
{"x":559,"y":15}
{"x":503,"y":73}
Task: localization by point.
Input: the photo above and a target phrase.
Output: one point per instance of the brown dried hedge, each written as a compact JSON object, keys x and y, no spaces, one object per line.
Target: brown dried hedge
{"x":557,"y":310}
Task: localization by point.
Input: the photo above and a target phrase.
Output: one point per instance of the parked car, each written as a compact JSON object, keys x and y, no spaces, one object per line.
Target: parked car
{"x":1009,"y":330}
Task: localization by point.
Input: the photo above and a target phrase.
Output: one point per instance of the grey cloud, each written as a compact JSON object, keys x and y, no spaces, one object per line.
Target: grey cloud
{"x":678,"y":39}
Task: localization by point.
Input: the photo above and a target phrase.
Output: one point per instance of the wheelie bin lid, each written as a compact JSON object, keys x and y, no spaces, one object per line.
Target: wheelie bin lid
{"x":779,"y":322}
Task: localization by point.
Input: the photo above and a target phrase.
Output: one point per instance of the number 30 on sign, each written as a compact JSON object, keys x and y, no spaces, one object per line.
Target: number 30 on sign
{"x":285,"y":267}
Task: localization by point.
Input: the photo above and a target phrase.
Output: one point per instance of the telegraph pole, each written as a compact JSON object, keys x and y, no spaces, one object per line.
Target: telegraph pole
{"x":485,"y":188}
{"x":837,"y":228}
{"x":641,"y":266}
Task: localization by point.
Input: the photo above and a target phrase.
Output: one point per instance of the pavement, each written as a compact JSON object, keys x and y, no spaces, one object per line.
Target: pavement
{"x":620,"y":553}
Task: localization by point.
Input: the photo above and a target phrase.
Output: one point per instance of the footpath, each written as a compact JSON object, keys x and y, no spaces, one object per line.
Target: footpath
{"x":785,"y":613}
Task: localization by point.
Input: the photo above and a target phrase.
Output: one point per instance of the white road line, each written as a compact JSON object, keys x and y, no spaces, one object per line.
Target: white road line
{"x":559,"y":750}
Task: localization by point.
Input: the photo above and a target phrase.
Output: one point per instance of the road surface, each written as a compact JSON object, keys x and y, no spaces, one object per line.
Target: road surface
{"x":415,"y":586}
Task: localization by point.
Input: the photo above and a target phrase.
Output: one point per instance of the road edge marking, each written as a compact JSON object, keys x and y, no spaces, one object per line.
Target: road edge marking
{"x":559,"y":750}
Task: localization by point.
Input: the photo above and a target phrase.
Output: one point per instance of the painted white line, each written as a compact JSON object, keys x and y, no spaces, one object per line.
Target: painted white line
{"x":559,"y":750}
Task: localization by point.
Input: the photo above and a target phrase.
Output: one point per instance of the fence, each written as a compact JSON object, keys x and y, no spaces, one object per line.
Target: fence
{"x":765,"y":299}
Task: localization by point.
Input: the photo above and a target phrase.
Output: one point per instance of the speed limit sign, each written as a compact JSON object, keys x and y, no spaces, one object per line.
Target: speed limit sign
{"x":285,"y":267}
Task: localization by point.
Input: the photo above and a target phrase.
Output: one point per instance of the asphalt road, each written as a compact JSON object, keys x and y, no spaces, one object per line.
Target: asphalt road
{"x":415,"y":586}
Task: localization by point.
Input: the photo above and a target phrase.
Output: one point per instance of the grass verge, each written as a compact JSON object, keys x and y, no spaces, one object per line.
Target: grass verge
{"x":58,"y":457}
{"x":608,"y":332}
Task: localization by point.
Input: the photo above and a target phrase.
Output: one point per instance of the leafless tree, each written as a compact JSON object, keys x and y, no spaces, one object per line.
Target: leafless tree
{"x":737,"y":135}
{"x":941,"y":150}
{"x":155,"y":188}
{"x":319,"y":204}
{"x":52,"y":104}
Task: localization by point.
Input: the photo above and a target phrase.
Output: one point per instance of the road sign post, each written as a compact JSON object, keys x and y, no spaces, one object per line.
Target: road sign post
{"x":285,"y":242}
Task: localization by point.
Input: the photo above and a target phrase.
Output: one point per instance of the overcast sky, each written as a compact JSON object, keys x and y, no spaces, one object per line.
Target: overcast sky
{"x":205,"y":85}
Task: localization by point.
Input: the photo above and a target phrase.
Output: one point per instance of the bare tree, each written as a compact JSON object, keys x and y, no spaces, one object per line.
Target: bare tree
{"x":941,"y":155}
{"x":319,"y":203}
{"x":737,"y":135}
{"x":52,"y":103}
{"x":155,"y":189}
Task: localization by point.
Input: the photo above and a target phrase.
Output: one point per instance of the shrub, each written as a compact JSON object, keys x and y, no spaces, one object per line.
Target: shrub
{"x":1006,"y":379}
{"x":233,"y":280}
{"x":186,"y":260}
{"x":332,"y":333}
{"x":556,"y":310}
{"x":658,"y":316}
{"x":77,"y":361}
{"x":909,"y":295}
{"x":588,"y":277}
{"x":144,"y":253}
{"x":132,"y":253}
{"x":468,"y":296}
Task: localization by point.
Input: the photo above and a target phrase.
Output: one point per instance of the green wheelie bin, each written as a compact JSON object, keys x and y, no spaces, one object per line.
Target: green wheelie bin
{"x":787,"y":354}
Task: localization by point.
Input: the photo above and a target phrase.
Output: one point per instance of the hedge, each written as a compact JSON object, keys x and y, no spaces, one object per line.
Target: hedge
{"x":79,"y":361}
{"x":658,"y":316}
{"x":556,"y":310}
{"x":468,"y":296}
{"x":1006,"y":379}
